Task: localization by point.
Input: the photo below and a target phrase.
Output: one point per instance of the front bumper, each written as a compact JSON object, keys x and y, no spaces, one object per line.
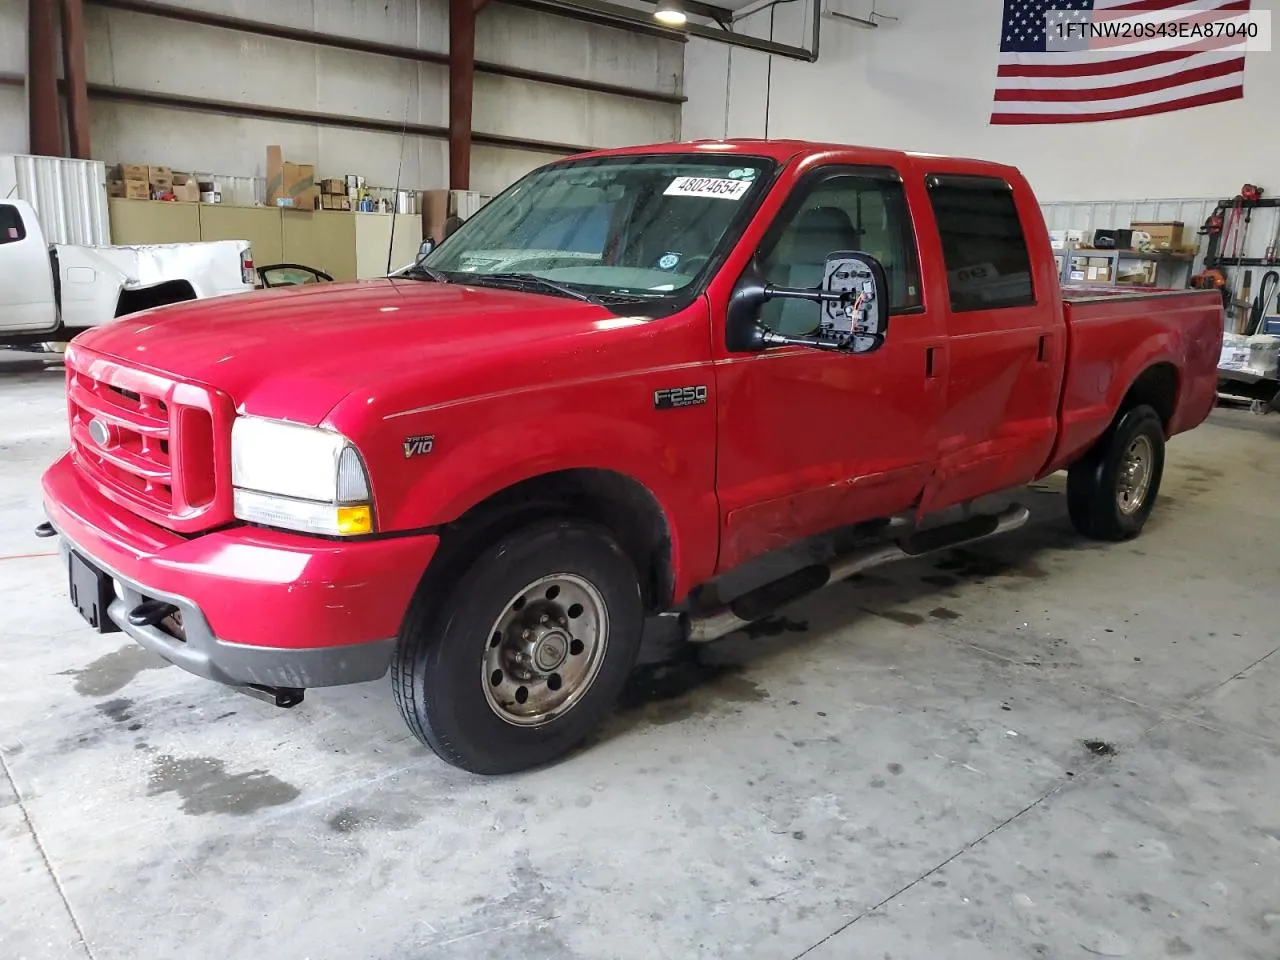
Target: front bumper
{"x":258,"y":606}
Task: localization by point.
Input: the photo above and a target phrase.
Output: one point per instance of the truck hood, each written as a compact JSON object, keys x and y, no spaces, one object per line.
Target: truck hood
{"x":295,"y":353}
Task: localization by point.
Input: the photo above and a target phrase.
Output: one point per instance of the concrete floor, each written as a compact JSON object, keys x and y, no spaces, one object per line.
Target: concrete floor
{"x":895,"y":769}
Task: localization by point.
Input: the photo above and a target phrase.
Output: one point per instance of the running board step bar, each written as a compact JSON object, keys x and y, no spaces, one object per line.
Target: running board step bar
{"x":762,"y":601}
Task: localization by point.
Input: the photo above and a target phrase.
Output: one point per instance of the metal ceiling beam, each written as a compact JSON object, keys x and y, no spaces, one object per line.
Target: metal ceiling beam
{"x":155,"y":98}
{"x":396,"y":51}
{"x":44,"y":116}
{"x":462,"y":77}
{"x":638,"y":21}
{"x":73,"y":68}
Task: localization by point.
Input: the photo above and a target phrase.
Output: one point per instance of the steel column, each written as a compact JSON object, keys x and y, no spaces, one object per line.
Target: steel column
{"x":77,"y":85}
{"x":462,"y":75}
{"x":42,"y":81}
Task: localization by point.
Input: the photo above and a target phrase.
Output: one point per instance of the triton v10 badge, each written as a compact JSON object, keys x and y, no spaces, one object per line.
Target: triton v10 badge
{"x":417,"y":446}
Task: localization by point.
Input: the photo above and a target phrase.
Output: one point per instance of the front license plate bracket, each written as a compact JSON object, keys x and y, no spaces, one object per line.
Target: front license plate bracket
{"x":91,"y":593}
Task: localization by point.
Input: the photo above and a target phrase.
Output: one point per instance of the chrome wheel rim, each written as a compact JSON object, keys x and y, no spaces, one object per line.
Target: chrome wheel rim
{"x":545,"y":650}
{"x":1135,"y":475}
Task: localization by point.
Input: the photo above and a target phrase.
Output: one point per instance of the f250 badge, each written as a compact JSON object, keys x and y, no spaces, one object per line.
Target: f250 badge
{"x":417,"y":446}
{"x":673,"y":397}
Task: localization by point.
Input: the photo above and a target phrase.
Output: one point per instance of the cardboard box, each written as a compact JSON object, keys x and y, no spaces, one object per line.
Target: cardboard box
{"x":161,"y":174}
{"x":290,"y":184}
{"x":162,"y":184}
{"x":186,"y":188}
{"x":334,"y":186}
{"x":128,"y":171}
{"x":134,"y":189}
{"x":1165,"y":234}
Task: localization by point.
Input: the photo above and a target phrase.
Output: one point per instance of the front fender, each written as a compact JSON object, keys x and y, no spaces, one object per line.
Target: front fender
{"x":484,"y":447}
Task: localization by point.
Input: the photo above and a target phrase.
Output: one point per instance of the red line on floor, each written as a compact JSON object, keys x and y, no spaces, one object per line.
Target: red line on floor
{"x":27,"y":556}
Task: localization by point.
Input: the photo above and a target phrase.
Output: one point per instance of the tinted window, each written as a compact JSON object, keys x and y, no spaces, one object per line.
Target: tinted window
{"x":11,"y":226}
{"x":843,"y":212}
{"x":982,"y":243}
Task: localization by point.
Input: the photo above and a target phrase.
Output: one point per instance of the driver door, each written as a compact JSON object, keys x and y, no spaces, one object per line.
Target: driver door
{"x":811,"y":440}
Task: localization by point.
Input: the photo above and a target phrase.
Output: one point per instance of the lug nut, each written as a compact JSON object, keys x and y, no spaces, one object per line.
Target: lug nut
{"x":526,"y":635}
{"x":544,"y":619}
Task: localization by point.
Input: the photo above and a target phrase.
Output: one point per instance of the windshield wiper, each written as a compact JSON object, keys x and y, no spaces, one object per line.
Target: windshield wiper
{"x":420,"y":270}
{"x":533,"y":278}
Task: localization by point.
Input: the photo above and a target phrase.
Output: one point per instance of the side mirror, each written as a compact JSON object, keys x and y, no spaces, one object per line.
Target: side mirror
{"x":860,"y":317}
{"x":852,"y":301}
{"x":425,"y":250}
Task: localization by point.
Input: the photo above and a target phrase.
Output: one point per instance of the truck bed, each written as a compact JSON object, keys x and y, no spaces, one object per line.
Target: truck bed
{"x":1114,"y":336}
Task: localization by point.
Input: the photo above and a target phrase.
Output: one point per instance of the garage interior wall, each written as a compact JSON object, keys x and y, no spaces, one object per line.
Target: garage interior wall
{"x":143,"y":52}
{"x":895,"y":86}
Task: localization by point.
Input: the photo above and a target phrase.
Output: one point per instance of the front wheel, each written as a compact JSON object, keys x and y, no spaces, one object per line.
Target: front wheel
{"x":1112,"y":489}
{"x":527,"y":653}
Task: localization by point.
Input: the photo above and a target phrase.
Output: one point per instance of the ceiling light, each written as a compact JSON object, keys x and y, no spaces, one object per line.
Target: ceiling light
{"x":670,"y":13}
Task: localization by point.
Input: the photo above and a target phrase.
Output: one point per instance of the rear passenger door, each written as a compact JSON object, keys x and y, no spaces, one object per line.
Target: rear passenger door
{"x":1004,"y":367}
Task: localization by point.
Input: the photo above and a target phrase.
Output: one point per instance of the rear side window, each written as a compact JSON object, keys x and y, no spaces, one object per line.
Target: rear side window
{"x":982,"y":243}
{"x":11,"y":227}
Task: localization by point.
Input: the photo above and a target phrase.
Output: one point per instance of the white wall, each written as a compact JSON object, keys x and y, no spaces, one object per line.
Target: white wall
{"x":155,"y":54}
{"x":925,"y":83}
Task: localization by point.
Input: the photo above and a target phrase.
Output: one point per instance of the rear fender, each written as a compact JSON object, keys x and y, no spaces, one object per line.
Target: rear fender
{"x":1095,"y":388}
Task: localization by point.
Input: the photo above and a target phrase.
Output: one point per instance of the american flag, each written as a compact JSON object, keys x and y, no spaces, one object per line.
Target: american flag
{"x":1040,"y":82}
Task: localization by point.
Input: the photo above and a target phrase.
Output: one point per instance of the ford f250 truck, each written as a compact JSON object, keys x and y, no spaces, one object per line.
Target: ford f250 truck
{"x":488,"y":481}
{"x":50,"y":293}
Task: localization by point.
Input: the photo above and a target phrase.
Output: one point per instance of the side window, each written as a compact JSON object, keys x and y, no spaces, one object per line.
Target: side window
{"x":842,"y":212}
{"x":11,"y":226}
{"x":982,"y":243}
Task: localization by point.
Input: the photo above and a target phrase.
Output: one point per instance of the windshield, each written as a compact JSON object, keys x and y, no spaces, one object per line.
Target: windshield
{"x":643,"y":226}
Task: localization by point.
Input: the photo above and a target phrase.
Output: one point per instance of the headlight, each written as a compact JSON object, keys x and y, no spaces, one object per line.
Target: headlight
{"x":299,"y":478}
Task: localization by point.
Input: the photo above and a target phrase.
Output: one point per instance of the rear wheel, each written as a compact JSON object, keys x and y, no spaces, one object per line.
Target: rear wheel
{"x":1112,"y":489}
{"x":526,"y":654}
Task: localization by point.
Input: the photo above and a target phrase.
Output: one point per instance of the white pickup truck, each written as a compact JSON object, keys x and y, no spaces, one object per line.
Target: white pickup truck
{"x":49,"y":293}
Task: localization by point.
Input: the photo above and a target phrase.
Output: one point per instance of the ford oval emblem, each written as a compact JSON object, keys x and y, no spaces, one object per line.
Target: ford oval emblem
{"x":99,"y":431}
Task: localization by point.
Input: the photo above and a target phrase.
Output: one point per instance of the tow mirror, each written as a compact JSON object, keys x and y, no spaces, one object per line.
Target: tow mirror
{"x":853,"y":312}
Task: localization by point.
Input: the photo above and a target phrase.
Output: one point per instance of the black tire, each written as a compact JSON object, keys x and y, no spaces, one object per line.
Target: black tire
{"x":1096,"y":483}
{"x":437,"y":672}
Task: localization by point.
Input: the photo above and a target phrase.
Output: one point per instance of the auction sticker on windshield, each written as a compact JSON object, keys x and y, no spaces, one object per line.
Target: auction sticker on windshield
{"x":708,"y":187}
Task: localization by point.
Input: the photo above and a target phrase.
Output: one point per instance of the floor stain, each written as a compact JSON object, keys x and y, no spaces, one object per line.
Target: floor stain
{"x":869,"y":580}
{"x":1100,"y":748}
{"x":205,"y":786}
{"x":351,"y":819}
{"x":677,"y":689}
{"x":774,"y":626}
{"x":904,"y":617}
{"x":117,"y":709}
{"x":972,"y":565}
{"x":113,"y":671}
{"x":939,"y":580}
{"x":943,"y":613}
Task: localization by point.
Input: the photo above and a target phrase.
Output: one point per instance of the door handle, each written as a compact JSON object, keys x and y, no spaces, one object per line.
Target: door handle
{"x":1042,"y":351}
{"x":930,"y":365}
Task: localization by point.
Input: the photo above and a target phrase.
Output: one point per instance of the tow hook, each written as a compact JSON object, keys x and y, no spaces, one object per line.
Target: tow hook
{"x":284,"y":697}
{"x":45,"y":530}
{"x":150,"y":612}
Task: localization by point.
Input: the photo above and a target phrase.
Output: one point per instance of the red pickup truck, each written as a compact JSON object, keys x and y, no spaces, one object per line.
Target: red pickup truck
{"x":631,"y":372}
